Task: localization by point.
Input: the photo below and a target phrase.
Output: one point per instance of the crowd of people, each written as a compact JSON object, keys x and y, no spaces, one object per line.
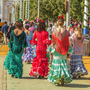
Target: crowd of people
{"x":32,"y":43}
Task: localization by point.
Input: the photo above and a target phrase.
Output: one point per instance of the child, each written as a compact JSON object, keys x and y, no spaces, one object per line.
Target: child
{"x":59,"y":72}
{"x":28,"y":54}
{"x":77,"y":66}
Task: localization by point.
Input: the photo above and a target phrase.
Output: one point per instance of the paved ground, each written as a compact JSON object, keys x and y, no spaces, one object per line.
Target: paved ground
{"x":31,"y":83}
{"x":3,"y":74}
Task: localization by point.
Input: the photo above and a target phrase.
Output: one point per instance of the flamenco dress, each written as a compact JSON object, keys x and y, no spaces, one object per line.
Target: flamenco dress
{"x":40,"y":62}
{"x":59,"y":68}
{"x":32,"y":29}
{"x":76,"y":62}
{"x":13,"y":61}
{"x":29,"y":55}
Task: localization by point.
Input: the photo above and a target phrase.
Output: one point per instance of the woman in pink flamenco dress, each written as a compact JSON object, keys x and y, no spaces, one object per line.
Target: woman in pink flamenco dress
{"x":32,"y":28}
{"x":40,"y":62}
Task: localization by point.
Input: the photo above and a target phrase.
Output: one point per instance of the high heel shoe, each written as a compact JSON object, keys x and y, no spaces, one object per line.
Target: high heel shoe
{"x":12,"y":75}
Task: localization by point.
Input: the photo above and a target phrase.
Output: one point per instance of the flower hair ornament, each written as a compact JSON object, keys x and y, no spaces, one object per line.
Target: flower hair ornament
{"x":42,"y":21}
{"x":61,"y":16}
{"x":31,"y":21}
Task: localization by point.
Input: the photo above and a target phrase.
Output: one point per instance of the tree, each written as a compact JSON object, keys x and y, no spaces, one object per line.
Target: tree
{"x":51,"y":8}
{"x":77,"y":9}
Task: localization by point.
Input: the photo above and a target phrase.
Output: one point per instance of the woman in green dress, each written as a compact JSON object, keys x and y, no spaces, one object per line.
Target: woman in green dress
{"x":17,"y":43}
{"x":59,"y":72}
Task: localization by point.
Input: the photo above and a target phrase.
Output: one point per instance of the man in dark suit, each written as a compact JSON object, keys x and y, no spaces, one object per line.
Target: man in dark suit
{"x":4,"y":30}
{"x":11,"y":28}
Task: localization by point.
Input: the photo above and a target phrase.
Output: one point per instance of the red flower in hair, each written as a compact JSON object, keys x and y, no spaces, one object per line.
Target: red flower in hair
{"x":73,"y":19}
{"x":31,"y":22}
{"x":42,"y":21}
{"x":62,"y":16}
{"x":58,"y":16}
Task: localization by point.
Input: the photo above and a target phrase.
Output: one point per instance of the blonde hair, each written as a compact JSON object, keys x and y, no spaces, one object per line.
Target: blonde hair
{"x":79,"y":32}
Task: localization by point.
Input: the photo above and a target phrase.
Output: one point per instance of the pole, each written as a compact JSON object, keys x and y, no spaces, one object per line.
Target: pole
{"x":21,"y":8}
{"x":85,"y":31}
{"x":15,"y":10}
{"x":28,"y":9}
{"x":38,"y":8}
{"x":68,"y":14}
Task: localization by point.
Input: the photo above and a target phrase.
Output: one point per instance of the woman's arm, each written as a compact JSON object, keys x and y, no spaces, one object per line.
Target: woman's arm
{"x":85,"y":49}
{"x":8,"y":29}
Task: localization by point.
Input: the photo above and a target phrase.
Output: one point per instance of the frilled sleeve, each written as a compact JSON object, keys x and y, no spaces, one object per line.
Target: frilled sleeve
{"x":24,"y":42}
{"x":47,"y":41}
{"x":33,"y":41}
{"x":70,"y":50}
{"x":50,"y":49}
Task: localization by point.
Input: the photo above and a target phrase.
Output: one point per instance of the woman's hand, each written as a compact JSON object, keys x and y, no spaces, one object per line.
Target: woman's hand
{"x":86,"y":53}
{"x":8,"y":40}
{"x":86,"y":49}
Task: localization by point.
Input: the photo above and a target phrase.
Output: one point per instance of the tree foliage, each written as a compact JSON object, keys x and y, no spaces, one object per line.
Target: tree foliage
{"x":52,"y":8}
{"x":77,"y":9}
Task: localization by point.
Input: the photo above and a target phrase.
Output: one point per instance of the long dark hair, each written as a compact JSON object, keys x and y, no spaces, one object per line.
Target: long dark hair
{"x":41,"y":26}
{"x":27,"y":27}
{"x":19,"y":24}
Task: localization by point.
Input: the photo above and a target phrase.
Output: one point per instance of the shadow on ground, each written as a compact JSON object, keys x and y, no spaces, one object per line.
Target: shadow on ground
{"x":77,"y":85}
{"x":31,"y":78}
{"x":82,"y":78}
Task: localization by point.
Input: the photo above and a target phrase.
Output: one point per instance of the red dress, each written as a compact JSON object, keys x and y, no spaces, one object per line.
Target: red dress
{"x":40,"y":62}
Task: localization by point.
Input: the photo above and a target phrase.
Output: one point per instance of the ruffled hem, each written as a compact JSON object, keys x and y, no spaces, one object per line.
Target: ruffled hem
{"x":14,"y":65}
{"x":78,"y":72}
{"x":39,"y":65}
{"x":77,"y":66}
{"x":29,"y":55}
{"x":57,"y":80}
{"x":59,"y":70}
